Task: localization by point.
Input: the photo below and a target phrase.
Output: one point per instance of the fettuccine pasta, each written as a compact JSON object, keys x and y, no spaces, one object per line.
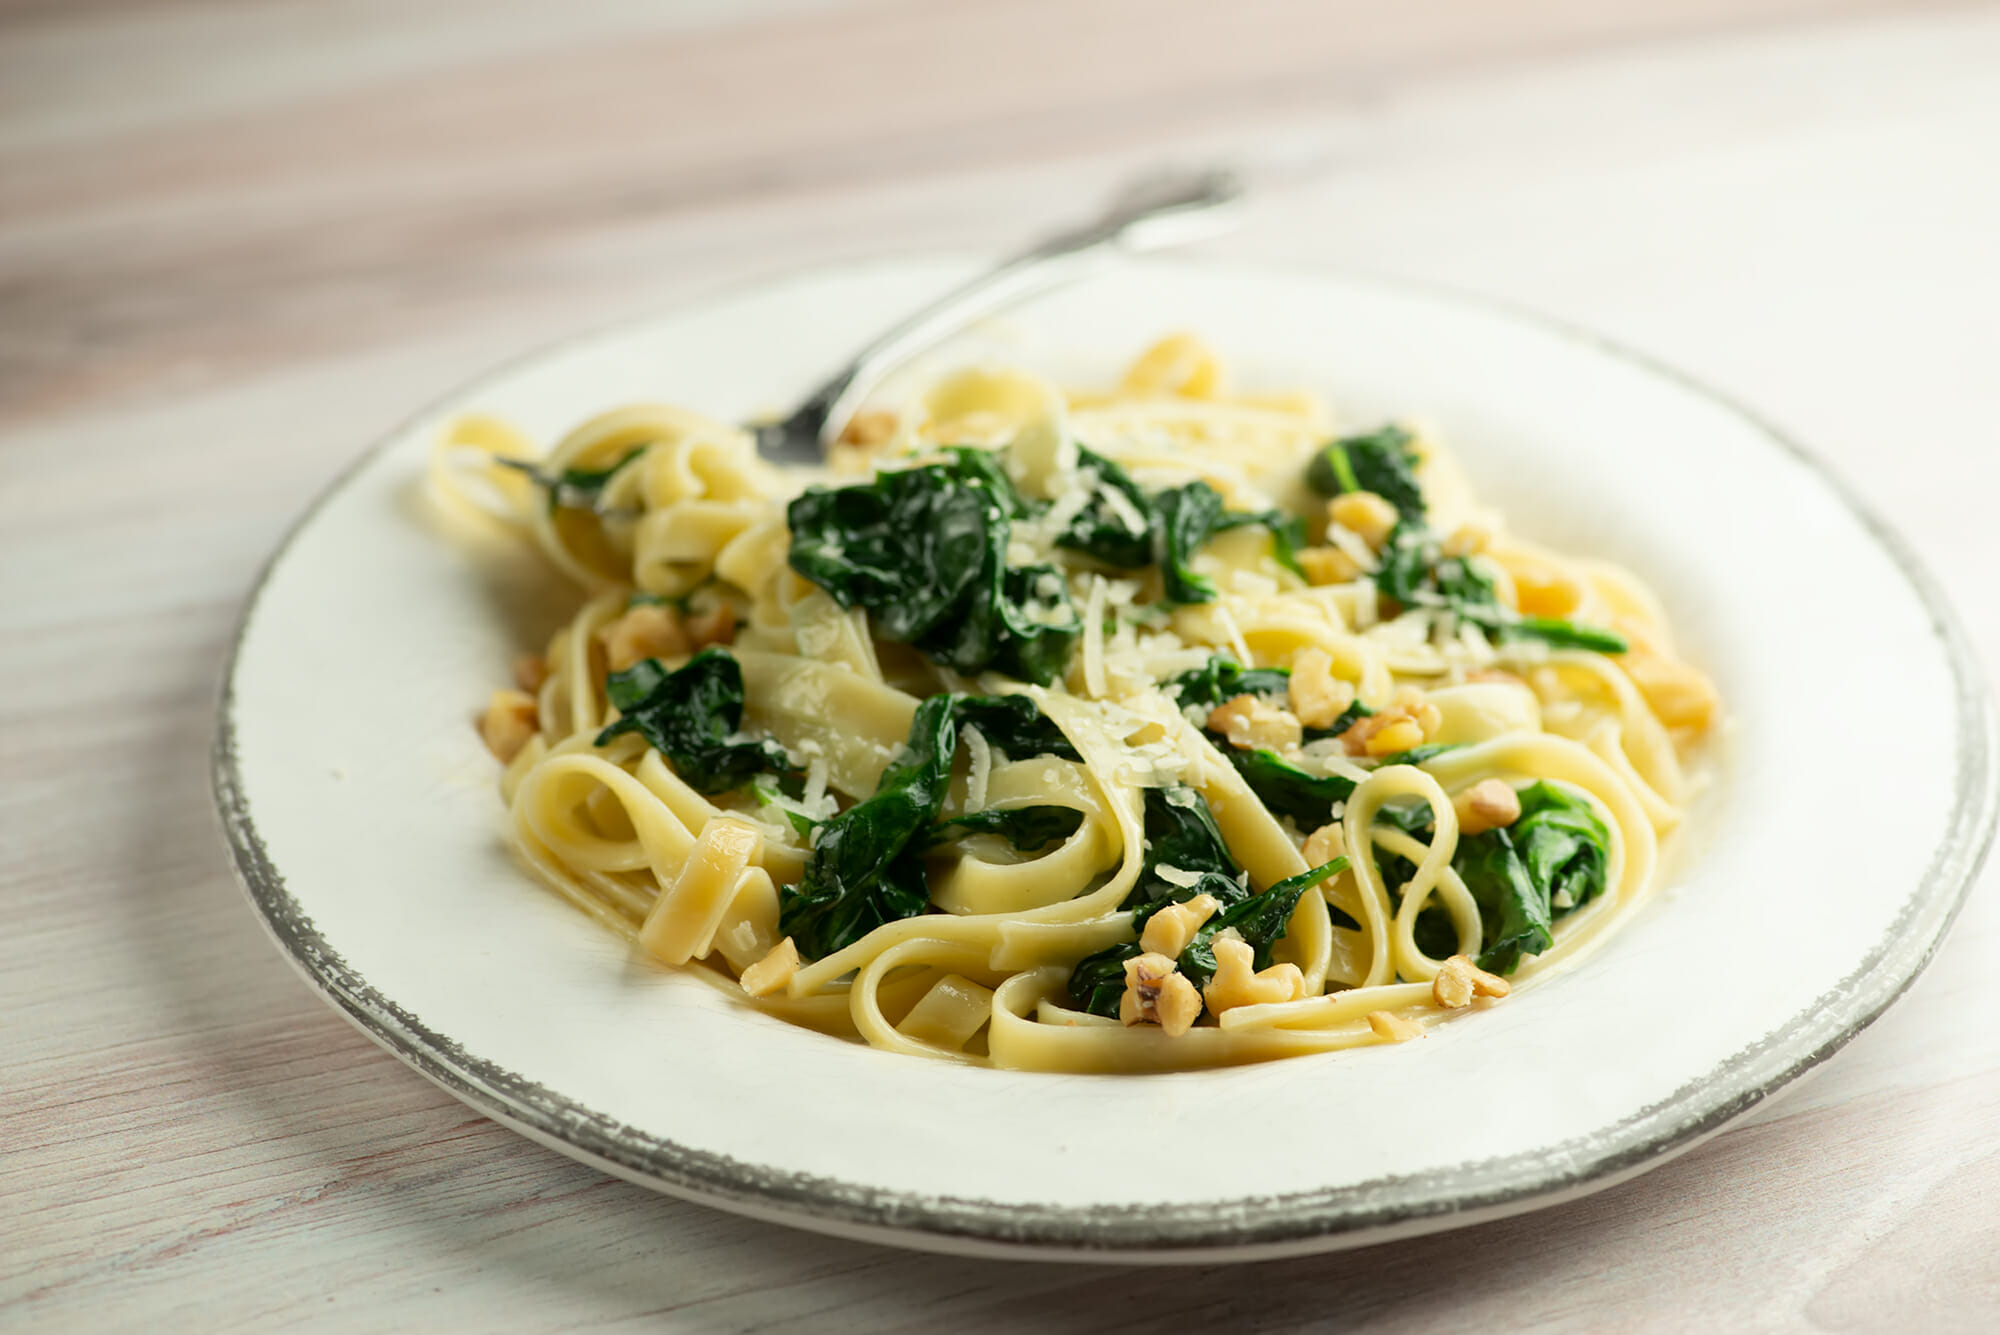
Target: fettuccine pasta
{"x":1146,"y":728}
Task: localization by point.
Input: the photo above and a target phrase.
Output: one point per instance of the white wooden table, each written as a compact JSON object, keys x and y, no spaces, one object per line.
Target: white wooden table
{"x":237,"y":242}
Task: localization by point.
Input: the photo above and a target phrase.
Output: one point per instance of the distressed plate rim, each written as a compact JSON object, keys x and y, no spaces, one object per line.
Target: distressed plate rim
{"x":1209,"y":1231}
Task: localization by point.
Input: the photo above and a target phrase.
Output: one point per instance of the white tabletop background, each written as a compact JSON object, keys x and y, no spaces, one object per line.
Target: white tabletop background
{"x":240,"y":241}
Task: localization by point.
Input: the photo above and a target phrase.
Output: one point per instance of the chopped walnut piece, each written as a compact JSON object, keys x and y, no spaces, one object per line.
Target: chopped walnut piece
{"x":1409,"y":721}
{"x":1364,"y":514}
{"x":716,"y":625}
{"x":774,"y":971}
{"x":530,"y":671}
{"x":1158,"y":993}
{"x":1452,"y":988}
{"x":1679,"y":694}
{"x":861,"y":441}
{"x":1328,"y":565}
{"x":1393,"y":1027}
{"x":1325,"y":844}
{"x":646,"y":631}
{"x":1317,"y":696}
{"x":1417,"y":705}
{"x":1249,"y":722}
{"x":1234,"y":984}
{"x":1459,"y":980}
{"x":1542,"y":588}
{"x":869,"y":428}
{"x":1169,"y":930}
{"x":1489,"y":804}
{"x":1401,"y":734}
{"x":1468,"y":539}
{"x":510,"y":720}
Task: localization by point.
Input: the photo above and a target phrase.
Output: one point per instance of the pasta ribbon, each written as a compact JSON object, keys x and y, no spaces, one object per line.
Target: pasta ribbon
{"x":1145,"y":728}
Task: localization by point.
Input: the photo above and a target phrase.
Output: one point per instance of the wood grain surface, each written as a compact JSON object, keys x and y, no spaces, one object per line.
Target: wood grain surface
{"x":239,"y":241}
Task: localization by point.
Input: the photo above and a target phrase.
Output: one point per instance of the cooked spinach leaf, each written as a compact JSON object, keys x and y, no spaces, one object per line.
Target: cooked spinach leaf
{"x":1379,"y":461}
{"x":1181,"y":833}
{"x":1286,"y":789}
{"x":1414,"y":572}
{"x":1123,"y":527}
{"x":1186,"y":517}
{"x":1260,"y":920}
{"x":1223,"y":678}
{"x":1097,"y":983}
{"x":1026,"y":828}
{"x":1116,"y":526}
{"x":1014,"y":724}
{"x":1552,"y":631}
{"x":694,"y":718}
{"x":862,"y":873}
{"x":924,"y":550}
{"x":1417,"y":755}
{"x":769,"y":793}
{"x":867,"y":866}
{"x":583,"y":488}
{"x":1551,"y":861}
{"x":1280,"y":785}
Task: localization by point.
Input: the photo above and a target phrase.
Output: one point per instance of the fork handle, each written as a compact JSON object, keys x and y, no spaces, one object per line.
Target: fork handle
{"x":1159,"y":211}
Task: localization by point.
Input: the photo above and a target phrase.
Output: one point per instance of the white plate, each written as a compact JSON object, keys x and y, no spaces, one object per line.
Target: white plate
{"x":366,"y":825}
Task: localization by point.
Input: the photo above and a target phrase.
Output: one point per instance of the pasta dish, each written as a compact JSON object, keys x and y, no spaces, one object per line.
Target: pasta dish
{"x":1156,"y":727}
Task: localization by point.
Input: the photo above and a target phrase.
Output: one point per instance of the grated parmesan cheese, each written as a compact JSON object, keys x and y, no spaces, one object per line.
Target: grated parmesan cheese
{"x":1127,"y":513}
{"x":1366,"y":613}
{"x":1093,"y":638}
{"x":982,"y":767}
{"x":1236,"y":641}
{"x":1253,"y":585}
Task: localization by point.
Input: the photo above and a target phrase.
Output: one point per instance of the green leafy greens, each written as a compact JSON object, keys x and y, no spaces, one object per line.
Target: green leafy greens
{"x":1013,"y":723}
{"x":1116,"y":525}
{"x":1380,"y":461}
{"x":1181,"y":834}
{"x":694,"y":717}
{"x":583,"y":488}
{"x":1123,"y":527}
{"x":867,"y":865}
{"x":924,"y":550}
{"x":1279,"y":784}
{"x":1260,"y":920}
{"x":1414,"y":569}
{"x":1026,"y":828}
{"x":1223,"y":678}
{"x":1415,"y":572}
{"x":1554,"y":859}
{"x":1524,"y":877}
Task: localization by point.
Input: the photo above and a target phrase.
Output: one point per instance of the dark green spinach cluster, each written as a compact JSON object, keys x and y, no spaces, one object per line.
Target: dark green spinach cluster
{"x":924,"y":550}
{"x":1550,"y":862}
{"x":1181,"y":833}
{"x":1126,"y":529}
{"x":1415,"y":571}
{"x":867,"y":865}
{"x":694,"y":717}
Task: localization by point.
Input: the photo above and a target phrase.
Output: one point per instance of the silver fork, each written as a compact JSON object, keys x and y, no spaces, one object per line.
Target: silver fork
{"x":1153,"y":212}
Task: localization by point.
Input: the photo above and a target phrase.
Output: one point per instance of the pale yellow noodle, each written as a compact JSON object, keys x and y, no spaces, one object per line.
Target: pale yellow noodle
{"x":694,"y":518}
